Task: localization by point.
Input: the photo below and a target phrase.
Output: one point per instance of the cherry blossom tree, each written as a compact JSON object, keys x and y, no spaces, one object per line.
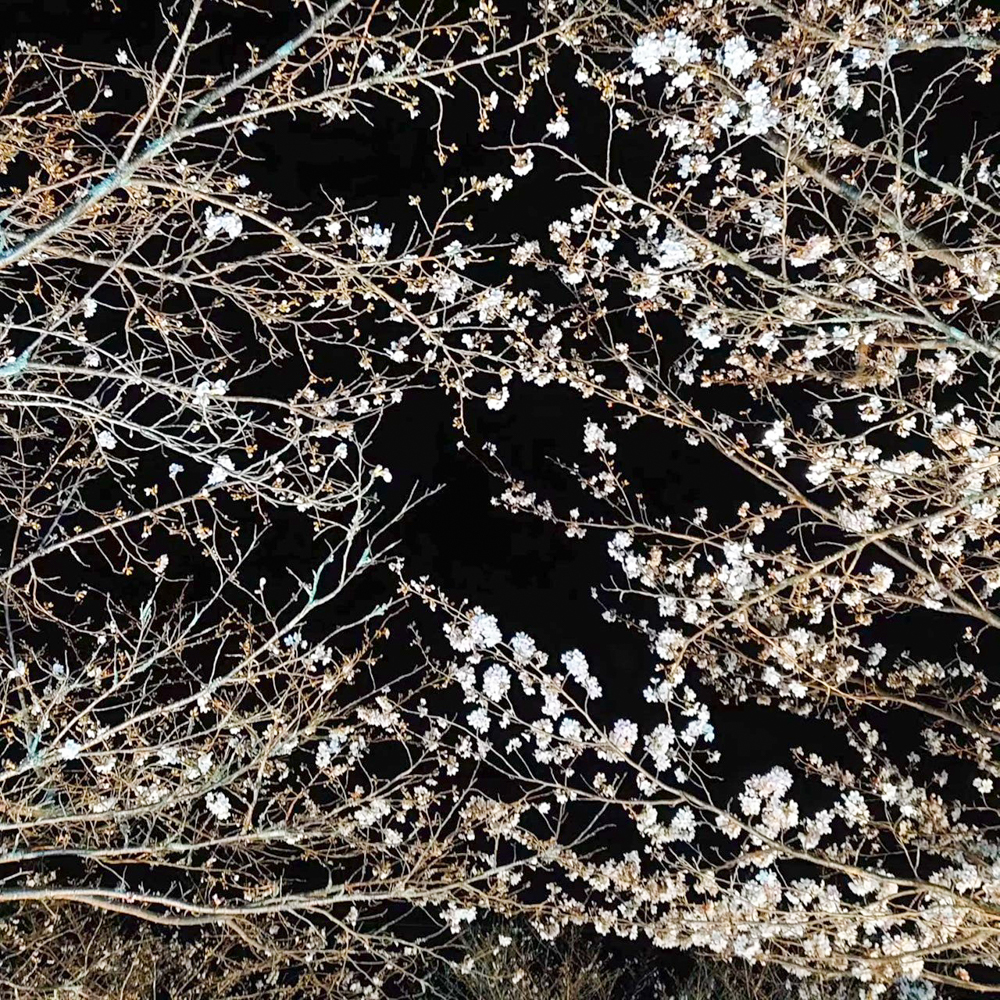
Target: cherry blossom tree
{"x":203,"y":750}
{"x":769,"y":260}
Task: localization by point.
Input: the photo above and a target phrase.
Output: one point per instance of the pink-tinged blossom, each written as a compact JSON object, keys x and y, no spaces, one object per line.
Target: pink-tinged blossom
{"x":729,"y":825}
{"x":814,"y":249}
